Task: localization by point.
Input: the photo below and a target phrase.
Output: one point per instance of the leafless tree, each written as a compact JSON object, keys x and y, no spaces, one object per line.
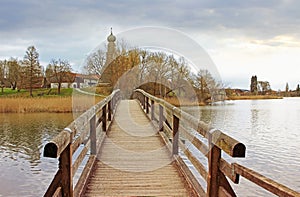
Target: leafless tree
{"x":59,"y":71}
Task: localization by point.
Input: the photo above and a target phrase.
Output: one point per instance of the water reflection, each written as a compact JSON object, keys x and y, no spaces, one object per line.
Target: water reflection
{"x":22,"y":137}
{"x":270,"y":129}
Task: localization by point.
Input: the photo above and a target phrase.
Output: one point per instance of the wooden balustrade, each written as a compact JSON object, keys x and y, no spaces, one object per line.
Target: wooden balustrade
{"x":82,"y":131}
{"x":183,"y":128}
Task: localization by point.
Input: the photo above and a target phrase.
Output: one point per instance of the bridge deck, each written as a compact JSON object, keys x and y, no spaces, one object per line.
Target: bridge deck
{"x":133,"y":160}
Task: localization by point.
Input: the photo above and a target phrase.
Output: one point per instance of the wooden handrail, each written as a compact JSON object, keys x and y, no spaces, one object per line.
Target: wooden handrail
{"x":67,"y":142}
{"x":217,"y":141}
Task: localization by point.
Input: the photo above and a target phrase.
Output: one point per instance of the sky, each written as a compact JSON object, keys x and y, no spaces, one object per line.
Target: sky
{"x":243,"y":38}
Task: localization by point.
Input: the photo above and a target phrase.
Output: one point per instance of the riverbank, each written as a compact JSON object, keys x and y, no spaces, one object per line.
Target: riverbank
{"x":183,"y":102}
{"x":253,"y":97}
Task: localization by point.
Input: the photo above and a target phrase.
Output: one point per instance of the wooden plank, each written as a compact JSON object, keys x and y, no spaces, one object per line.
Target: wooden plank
{"x":58,"y":192}
{"x":80,"y":158}
{"x":83,"y":179}
{"x":55,"y":183}
{"x":200,"y":168}
{"x":195,"y":141}
{"x":228,"y":170}
{"x":223,"y":193}
{"x":229,"y":145}
{"x":134,"y":165}
{"x":192,"y":180}
{"x":264,"y":182}
{"x":223,"y":182}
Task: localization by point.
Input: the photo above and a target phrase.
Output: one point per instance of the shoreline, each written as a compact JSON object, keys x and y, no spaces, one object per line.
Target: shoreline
{"x":254,"y":97}
{"x":66,"y":104}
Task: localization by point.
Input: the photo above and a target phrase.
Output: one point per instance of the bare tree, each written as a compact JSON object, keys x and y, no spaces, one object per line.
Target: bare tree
{"x":263,"y":87}
{"x":206,"y":85}
{"x":14,"y":70}
{"x":95,"y":62}
{"x":2,"y":74}
{"x":59,"y":71}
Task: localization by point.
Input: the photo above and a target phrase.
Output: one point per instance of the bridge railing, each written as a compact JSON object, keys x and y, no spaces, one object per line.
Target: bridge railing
{"x":194,"y":137}
{"x":72,"y":145}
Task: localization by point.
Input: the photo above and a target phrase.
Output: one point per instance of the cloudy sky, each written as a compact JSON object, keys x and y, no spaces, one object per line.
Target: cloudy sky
{"x":243,"y":38}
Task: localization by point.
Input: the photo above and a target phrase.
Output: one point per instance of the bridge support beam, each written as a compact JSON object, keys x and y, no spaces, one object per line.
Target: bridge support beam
{"x":65,"y":166}
{"x":93,"y":135}
{"x":104,"y":118}
{"x":213,"y":177}
{"x":109,"y":111}
{"x":161,"y":118}
{"x":152,"y":110}
{"x":175,"y":134}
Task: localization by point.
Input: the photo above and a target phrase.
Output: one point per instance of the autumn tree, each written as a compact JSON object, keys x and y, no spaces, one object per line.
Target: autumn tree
{"x":58,"y":71}
{"x":32,"y":67}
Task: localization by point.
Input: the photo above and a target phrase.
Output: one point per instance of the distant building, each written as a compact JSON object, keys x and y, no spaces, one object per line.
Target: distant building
{"x":75,"y":80}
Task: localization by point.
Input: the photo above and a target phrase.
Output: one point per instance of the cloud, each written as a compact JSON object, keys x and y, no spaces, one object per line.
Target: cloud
{"x":70,"y":29}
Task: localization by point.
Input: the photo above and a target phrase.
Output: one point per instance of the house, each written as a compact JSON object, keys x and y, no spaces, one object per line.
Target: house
{"x":75,"y":80}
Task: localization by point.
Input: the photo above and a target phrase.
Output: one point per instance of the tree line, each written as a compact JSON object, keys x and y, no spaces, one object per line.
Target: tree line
{"x":29,"y":74}
{"x":157,"y":72}
{"x":264,"y":87}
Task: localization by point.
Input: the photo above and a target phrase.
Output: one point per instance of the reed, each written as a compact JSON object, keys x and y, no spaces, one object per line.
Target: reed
{"x":47,"y":104}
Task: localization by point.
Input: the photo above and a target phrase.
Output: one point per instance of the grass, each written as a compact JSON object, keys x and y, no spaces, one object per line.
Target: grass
{"x":66,"y":102}
{"x":42,"y":92}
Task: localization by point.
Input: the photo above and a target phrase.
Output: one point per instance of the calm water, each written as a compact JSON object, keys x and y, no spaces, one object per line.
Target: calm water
{"x":270,"y":129}
{"x":24,"y":172}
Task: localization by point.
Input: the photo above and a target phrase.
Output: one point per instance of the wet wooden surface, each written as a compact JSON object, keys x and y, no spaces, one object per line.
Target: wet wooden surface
{"x":134,"y":161}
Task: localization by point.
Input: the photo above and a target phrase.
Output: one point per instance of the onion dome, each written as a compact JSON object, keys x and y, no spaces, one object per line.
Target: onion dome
{"x":111,"y":37}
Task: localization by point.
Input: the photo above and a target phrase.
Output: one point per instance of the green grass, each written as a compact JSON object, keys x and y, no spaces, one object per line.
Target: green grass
{"x":43,"y":92}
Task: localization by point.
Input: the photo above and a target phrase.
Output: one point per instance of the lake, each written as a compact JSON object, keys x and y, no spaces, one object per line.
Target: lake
{"x":270,"y":129}
{"x":24,"y":172}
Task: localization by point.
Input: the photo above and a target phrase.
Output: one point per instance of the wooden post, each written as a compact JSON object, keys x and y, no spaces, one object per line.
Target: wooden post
{"x":161,"y":118}
{"x":104,"y":118}
{"x":93,"y":135}
{"x":213,"y":176}
{"x":147,"y":105}
{"x":144,"y":103}
{"x":175,"y":134}
{"x":109,"y":111}
{"x":152,"y":110}
{"x":65,"y":166}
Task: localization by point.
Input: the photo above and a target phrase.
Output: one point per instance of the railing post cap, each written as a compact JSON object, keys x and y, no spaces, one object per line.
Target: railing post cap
{"x":68,"y":130}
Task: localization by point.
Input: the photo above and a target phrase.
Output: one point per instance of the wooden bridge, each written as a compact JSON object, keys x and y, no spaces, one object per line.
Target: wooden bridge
{"x":146,"y":147}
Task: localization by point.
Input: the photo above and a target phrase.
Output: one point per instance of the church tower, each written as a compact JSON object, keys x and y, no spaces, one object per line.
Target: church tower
{"x":111,"y":48}
{"x":108,"y":70}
